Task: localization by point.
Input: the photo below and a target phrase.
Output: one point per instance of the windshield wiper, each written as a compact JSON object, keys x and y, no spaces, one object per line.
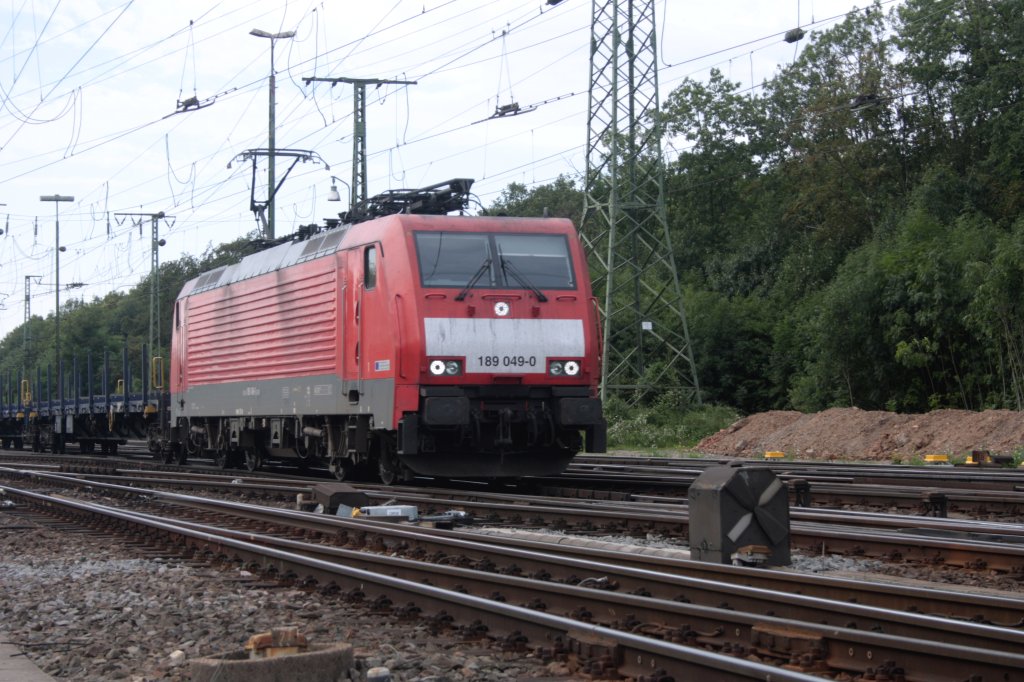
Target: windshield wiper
{"x":484,"y":267}
{"x":506,"y":266}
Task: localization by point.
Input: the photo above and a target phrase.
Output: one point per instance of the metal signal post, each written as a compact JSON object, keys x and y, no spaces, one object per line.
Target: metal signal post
{"x":58,"y":435}
{"x":28,"y":317}
{"x":154,"y":271}
{"x":358,"y":188}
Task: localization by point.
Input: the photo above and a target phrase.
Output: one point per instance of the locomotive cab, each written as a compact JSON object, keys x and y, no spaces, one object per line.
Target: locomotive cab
{"x":508,"y":368}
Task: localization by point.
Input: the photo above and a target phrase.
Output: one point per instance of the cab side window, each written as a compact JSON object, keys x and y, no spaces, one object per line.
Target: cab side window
{"x":370,"y":267}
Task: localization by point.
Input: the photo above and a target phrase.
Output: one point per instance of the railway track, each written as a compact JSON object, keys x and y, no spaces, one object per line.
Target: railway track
{"x":979,"y":546}
{"x":787,"y":632}
{"x":962,"y":492}
{"x":963,"y":545}
{"x":868,"y":471}
{"x":956,"y":544}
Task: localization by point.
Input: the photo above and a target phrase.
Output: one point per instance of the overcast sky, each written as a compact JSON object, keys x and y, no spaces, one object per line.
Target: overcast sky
{"x":90,"y":91}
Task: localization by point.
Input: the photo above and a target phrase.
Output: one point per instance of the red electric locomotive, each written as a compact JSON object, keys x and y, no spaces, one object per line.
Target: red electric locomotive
{"x":411,"y":343}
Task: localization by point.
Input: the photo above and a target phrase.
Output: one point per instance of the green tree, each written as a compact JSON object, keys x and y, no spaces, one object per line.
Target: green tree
{"x":962,"y":65}
{"x":995,"y":314}
{"x":732,"y":347}
{"x":558,"y":199}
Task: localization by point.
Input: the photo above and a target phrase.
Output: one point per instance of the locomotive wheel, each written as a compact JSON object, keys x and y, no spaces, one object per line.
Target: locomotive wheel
{"x":389,"y":468}
{"x":222,"y":458}
{"x":342,"y":468}
{"x":387,"y":474}
{"x":223,"y":455}
{"x":153,"y":439}
{"x":253,"y":459}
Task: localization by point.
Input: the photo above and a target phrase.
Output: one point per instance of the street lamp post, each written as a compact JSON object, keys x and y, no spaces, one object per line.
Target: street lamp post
{"x":58,"y":435}
{"x":271,"y":179}
{"x":334,"y":195}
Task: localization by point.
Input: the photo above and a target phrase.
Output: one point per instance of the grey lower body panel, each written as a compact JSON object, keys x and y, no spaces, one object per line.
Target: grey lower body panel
{"x":306,"y":396}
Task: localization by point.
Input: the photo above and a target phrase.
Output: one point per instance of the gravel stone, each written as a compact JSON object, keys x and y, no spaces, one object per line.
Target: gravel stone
{"x":91,"y":609}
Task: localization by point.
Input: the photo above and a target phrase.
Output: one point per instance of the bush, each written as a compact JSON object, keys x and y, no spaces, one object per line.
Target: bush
{"x":667,"y":423}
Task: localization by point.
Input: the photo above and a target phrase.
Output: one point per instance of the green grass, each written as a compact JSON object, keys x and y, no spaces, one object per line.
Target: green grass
{"x":667,"y":423}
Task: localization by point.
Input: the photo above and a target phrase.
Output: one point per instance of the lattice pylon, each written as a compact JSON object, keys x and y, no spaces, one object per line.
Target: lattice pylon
{"x":625,"y":227}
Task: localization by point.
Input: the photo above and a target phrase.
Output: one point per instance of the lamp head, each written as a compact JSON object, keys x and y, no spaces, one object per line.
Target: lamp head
{"x":260,"y":33}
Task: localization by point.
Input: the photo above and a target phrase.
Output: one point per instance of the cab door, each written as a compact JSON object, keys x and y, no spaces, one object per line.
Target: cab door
{"x":351,"y":324}
{"x":375,"y":342}
{"x":365,"y":317}
{"x":377,"y":338}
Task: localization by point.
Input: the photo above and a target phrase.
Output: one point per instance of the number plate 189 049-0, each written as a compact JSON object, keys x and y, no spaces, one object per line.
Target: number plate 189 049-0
{"x":484,"y":363}
{"x":503,"y":346}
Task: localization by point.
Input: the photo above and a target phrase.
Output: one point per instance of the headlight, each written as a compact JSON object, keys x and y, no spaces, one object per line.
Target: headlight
{"x":445,"y":367}
{"x":568,"y":368}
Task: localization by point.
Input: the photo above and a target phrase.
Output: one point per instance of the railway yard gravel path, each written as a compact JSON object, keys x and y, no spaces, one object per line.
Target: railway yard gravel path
{"x":88,"y":609}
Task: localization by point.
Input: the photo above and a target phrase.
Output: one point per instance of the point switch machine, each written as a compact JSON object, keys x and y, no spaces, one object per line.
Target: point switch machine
{"x":739,"y":515}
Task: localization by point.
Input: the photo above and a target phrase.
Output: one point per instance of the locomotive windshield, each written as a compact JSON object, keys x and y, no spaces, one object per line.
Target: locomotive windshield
{"x":494,"y":260}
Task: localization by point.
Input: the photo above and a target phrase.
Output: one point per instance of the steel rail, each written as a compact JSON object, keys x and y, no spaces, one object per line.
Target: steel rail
{"x":612,"y":462}
{"x":816,"y":646}
{"x":1005,"y":612}
{"x":816,"y":537}
{"x":661,"y":585}
{"x":1006,"y":498}
{"x":630,"y":654}
{"x":812,"y":536}
{"x":673,"y":505}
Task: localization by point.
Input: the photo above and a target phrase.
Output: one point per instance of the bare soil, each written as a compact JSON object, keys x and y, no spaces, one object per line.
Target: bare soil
{"x":853,"y":434}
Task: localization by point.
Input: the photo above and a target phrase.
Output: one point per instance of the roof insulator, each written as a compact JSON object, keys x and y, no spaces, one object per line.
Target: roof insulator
{"x":794,"y":34}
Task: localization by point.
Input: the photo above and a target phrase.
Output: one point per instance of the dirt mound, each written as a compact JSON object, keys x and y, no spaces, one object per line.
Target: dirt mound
{"x":849,"y":433}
